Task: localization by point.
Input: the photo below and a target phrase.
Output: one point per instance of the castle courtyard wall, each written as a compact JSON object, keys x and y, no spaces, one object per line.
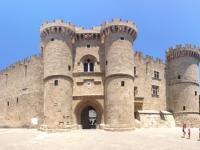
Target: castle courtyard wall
{"x":21,"y":93}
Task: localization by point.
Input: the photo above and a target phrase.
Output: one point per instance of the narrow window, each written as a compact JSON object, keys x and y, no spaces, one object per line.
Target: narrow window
{"x":135,"y":90}
{"x":88,"y":46}
{"x":91,"y":67}
{"x":155,"y":91}
{"x":56,"y":82}
{"x":6,"y":79}
{"x":179,"y":76}
{"x":17,"y":100}
{"x":195,"y":93}
{"x":8,"y":103}
{"x":135,"y":71}
{"x":106,"y":62}
{"x":122,"y":38}
{"x":85,"y":67}
{"x":184,"y":108}
{"x":122,"y":83}
{"x":60,"y":29}
{"x":69,"y":67}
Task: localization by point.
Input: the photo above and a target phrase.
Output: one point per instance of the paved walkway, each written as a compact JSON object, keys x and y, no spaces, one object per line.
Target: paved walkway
{"x":140,"y":139}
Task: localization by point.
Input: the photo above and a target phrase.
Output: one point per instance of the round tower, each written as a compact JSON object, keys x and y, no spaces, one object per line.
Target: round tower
{"x":56,"y":46}
{"x":119,"y":74}
{"x":182,"y":82}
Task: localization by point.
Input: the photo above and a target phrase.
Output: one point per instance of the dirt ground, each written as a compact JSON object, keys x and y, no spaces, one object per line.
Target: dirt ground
{"x":140,"y":139}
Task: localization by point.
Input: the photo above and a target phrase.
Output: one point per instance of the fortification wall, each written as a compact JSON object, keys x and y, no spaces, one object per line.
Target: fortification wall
{"x":21,"y":93}
{"x":144,"y":79}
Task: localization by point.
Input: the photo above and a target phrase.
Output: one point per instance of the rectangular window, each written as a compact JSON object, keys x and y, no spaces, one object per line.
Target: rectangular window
{"x":69,"y":67}
{"x":155,"y":91}
{"x":91,"y":67}
{"x":122,"y":38}
{"x":56,"y":82}
{"x":195,"y":93}
{"x":135,"y":90}
{"x":156,"y":75}
{"x":85,"y":67}
{"x":88,"y":45}
{"x":122,"y":83}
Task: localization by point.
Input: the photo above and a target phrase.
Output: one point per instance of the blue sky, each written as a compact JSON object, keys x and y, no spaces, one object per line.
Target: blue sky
{"x":161,"y":23}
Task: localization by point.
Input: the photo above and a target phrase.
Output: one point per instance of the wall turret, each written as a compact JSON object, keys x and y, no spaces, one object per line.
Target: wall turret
{"x":182,"y":79}
{"x":56,"y":47}
{"x":118,"y":37}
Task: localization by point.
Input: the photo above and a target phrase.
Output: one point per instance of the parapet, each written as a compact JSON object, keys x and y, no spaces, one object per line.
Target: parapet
{"x":118,"y":25}
{"x":119,"y":22}
{"x":183,"y":51}
{"x":24,"y":62}
{"x":147,"y":58}
{"x":87,"y":34}
{"x":57,"y":26}
{"x":56,"y":23}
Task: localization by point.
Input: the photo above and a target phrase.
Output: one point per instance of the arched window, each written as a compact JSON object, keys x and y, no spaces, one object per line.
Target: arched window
{"x":88,"y":66}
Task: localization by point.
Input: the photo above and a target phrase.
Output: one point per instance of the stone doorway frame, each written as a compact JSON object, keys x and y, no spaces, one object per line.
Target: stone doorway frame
{"x":85,"y":103}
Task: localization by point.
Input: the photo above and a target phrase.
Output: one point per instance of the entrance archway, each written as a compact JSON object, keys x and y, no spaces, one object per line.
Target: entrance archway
{"x":88,"y":118}
{"x":89,"y":114}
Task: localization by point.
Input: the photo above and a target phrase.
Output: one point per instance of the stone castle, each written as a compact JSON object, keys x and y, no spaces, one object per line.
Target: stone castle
{"x":94,"y":79}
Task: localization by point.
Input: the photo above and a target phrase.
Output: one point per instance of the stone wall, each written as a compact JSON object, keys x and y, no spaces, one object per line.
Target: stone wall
{"x":191,"y":119}
{"x":144,"y":79}
{"x":21,"y":93}
{"x":154,"y":119}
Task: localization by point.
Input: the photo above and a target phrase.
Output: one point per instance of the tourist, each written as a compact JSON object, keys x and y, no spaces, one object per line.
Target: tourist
{"x":189,"y":133}
{"x":184,"y":127}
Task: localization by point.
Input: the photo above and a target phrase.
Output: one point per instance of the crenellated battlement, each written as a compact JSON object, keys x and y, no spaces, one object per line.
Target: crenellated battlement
{"x":183,"y":51}
{"x":118,"y":25}
{"x":139,"y":55}
{"x":24,"y":62}
{"x":56,"y":23}
{"x":82,"y":34}
{"x":57,"y":26}
{"x":118,"y":21}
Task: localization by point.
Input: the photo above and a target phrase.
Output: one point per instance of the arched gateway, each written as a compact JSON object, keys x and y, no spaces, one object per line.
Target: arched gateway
{"x":89,"y":114}
{"x":88,"y":118}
